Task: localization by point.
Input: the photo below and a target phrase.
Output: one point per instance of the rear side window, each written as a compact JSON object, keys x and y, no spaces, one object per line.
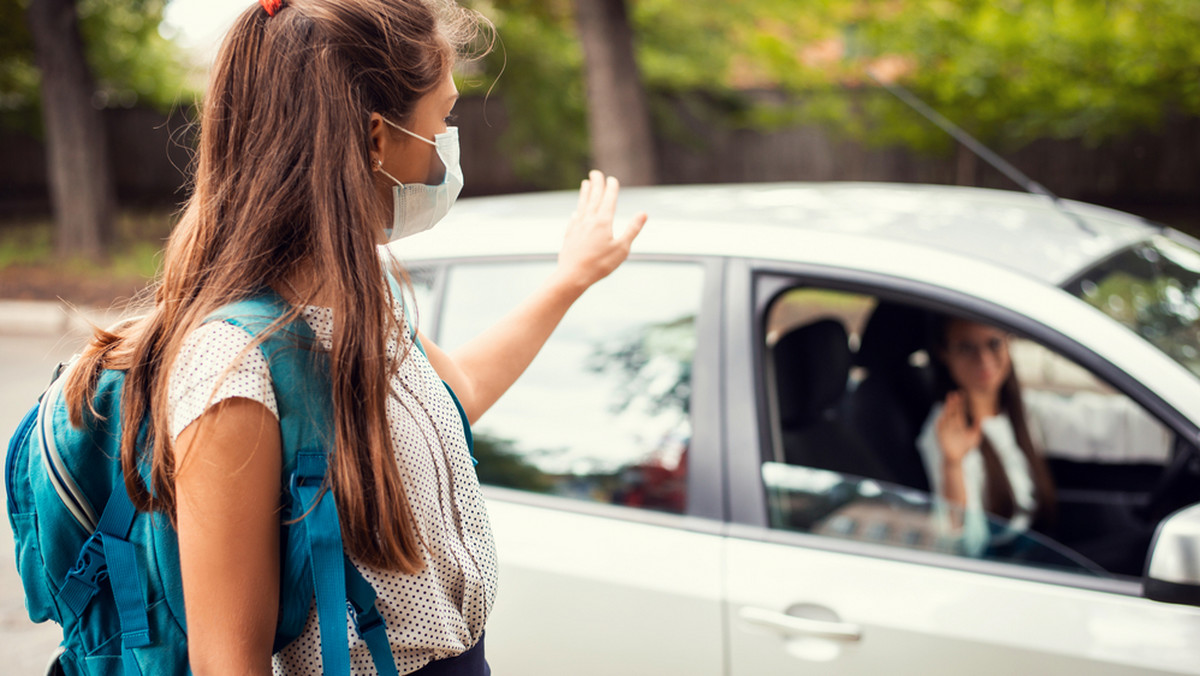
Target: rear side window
{"x":603,"y":412}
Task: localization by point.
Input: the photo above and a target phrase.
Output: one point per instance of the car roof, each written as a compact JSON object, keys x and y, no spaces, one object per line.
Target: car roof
{"x":1019,"y":231}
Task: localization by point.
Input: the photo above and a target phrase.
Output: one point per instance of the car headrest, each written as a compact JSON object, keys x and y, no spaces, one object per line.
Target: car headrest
{"x":891,"y":335}
{"x":812,"y":364}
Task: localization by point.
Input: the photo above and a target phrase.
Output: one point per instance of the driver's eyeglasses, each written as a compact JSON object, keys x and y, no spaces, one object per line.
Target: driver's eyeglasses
{"x":968,"y":350}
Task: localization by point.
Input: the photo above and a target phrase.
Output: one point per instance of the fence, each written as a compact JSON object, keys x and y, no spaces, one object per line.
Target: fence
{"x":1152,"y":168}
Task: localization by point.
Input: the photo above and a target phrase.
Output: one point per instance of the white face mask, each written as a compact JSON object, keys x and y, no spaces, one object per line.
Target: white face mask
{"x":416,"y":206}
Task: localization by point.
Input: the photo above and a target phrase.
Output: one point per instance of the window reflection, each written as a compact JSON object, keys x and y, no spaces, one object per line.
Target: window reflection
{"x":1154,"y":289}
{"x":602,"y":414}
{"x":847,"y":507}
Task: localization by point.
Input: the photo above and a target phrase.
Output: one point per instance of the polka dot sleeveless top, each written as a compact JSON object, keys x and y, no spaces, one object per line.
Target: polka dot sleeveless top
{"x":436,"y":613}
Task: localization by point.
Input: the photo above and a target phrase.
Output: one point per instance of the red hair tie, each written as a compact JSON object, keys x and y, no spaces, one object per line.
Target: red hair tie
{"x":271,"y":6}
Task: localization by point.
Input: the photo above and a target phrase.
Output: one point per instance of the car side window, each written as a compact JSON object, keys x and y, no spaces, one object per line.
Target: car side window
{"x":855,"y":387}
{"x":602,"y":414}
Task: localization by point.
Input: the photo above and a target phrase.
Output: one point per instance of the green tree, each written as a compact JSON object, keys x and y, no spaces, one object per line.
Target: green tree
{"x":18,"y":74}
{"x":69,"y":59}
{"x":134,"y":62}
{"x":1016,"y":70}
{"x":618,"y":114}
{"x":81,"y":187}
{"x":131,"y":61}
{"x":536,"y":70}
{"x":1009,"y":71}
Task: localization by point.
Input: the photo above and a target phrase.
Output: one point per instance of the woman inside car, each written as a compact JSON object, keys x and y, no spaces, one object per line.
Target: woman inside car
{"x":977,"y":445}
{"x":985,"y":446}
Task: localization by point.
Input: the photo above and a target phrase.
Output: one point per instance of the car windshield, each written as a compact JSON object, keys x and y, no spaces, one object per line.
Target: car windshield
{"x":1153,"y":288}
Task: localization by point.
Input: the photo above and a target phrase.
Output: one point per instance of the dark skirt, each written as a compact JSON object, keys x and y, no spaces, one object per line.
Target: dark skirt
{"x":470,"y":663}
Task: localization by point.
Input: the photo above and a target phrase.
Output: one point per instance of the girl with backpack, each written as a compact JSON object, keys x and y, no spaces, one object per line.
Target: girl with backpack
{"x":325,"y":133}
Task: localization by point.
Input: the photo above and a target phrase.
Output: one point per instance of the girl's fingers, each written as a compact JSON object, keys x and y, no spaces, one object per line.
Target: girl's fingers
{"x":596,"y":194}
{"x":953,"y":403}
{"x":584,"y":187}
{"x":608,"y":204}
{"x":633,"y":229}
{"x":598,"y":205}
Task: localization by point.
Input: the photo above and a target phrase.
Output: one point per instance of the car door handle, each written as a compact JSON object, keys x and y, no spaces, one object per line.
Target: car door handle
{"x":801,"y":626}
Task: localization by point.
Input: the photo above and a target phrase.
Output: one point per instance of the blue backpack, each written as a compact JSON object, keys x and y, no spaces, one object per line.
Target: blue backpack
{"x":109,"y":575}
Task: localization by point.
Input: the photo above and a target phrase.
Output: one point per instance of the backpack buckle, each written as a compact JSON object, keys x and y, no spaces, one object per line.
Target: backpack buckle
{"x":365,"y":619}
{"x":303,"y":481}
{"x":83,"y":580}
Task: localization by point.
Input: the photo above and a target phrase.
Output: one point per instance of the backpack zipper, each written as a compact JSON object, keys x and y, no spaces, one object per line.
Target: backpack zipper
{"x":64,"y":485}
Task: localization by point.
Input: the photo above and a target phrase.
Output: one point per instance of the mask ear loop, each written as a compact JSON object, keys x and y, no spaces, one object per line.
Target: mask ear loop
{"x":416,"y":136}
{"x":380,"y":169}
{"x":379,"y":161}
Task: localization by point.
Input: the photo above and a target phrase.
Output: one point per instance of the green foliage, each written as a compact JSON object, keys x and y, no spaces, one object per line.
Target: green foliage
{"x":131,"y":61}
{"x":536,"y":69}
{"x":1017,"y":70}
{"x":675,"y":42}
{"x":1009,"y":71}
{"x":18,"y":74}
{"x":130,"y":58}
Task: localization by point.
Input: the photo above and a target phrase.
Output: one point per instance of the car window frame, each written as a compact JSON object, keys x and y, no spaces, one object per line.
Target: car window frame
{"x":707,"y":504}
{"x":753,"y":284}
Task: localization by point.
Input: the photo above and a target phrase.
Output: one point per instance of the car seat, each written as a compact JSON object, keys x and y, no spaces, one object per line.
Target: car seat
{"x":890,"y":404}
{"x":811,"y":367}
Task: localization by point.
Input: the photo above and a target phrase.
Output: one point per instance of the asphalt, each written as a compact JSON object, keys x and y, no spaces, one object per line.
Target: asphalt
{"x":34,"y":336}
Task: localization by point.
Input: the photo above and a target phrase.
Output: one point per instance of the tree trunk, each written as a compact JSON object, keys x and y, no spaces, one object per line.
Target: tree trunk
{"x":81,"y":185}
{"x":966,"y":169}
{"x":618,"y":115}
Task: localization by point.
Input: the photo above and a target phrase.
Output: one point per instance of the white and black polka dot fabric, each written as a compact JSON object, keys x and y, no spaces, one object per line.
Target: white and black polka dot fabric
{"x":438,"y":612}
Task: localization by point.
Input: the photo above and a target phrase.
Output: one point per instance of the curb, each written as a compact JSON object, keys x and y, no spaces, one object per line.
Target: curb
{"x":50,"y":318}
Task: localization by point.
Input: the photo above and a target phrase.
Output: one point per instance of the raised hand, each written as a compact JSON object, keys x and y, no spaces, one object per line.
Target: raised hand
{"x":955,"y":434}
{"x":590,"y":250}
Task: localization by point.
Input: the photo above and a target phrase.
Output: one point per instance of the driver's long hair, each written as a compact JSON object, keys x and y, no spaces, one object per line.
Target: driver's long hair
{"x":283,"y":180}
{"x":998,"y":493}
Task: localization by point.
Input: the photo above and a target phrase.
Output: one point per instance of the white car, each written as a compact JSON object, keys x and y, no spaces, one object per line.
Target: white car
{"x":667,"y":498}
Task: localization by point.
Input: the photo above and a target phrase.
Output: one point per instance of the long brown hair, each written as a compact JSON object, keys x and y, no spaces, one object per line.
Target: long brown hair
{"x":282,"y":180}
{"x":998,"y":493}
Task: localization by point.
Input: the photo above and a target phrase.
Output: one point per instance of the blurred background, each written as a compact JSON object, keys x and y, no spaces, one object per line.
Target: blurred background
{"x":1096,"y":100}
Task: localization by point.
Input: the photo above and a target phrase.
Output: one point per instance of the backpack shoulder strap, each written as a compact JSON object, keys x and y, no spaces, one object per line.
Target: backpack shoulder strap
{"x":313,"y":559}
{"x":299,"y":372}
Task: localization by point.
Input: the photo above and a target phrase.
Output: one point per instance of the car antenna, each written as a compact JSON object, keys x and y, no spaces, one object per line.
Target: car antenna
{"x":980,"y":150}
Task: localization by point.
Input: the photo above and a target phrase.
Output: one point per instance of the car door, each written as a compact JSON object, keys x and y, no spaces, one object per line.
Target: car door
{"x":601,"y":469}
{"x":835,"y":571}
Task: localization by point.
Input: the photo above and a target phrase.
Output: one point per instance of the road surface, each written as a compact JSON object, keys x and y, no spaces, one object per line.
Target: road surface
{"x":26,"y":363}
